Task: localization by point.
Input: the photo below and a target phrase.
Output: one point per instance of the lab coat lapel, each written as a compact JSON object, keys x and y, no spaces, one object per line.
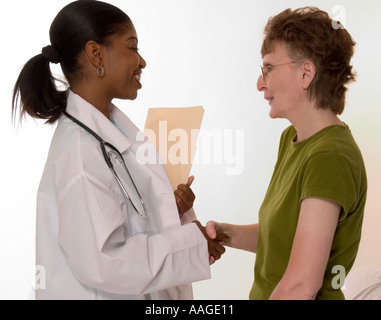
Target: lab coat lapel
{"x":141,"y":144}
{"x":161,"y":200}
{"x":96,"y":121}
{"x":125,"y":136}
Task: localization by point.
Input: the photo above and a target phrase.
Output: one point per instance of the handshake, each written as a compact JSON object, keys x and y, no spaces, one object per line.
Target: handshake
{"x":184,"y":201}
{"x":215,"y":240}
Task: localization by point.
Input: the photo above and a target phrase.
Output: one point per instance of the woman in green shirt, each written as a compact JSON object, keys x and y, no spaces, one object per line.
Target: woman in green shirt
{"x":310,"y":221}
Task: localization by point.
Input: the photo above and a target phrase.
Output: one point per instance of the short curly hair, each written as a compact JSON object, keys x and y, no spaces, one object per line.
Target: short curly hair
{"x":310,"y":34}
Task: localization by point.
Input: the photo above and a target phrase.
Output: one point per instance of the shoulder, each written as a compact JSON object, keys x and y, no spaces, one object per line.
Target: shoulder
{"x":74,"y":152}
{"x":336,"y":144}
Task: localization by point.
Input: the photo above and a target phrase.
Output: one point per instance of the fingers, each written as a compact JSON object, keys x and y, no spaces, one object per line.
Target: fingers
{"x":185,"y":193}
{"x":184,"y":200}
{"x":211,"y":229}
{"x":185,"y":197}
{"x":179,"y":200}
{"x":186,"y":187}
{"x":190,"y":181}
{"x":216,"y":232}
{"x":216,"y":250}
{"x":219,"y":249}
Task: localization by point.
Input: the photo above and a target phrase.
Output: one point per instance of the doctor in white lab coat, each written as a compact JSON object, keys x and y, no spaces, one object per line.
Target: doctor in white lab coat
{"x":91,"y":244}
{"x":90,"y":241}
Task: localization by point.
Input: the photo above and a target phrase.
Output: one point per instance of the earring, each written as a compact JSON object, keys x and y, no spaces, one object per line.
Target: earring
{"x":101,"y":72}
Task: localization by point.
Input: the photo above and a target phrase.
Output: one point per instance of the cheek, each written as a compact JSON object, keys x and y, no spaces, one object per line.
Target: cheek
{"x":283,"y":88}
{"x":123,"y":65}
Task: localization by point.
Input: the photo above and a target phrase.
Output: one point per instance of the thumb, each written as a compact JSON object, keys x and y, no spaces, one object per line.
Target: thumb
{"x":210,"y":229}
{"x":190,"y":181}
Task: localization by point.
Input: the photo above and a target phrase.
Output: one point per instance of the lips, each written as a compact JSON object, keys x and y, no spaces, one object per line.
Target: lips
{"x":269,"y":99}
{"x":137,"y":77}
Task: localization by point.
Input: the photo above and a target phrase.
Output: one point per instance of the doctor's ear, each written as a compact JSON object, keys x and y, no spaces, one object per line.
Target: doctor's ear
{"x":309,"y":72}
{"x":94,"y":53}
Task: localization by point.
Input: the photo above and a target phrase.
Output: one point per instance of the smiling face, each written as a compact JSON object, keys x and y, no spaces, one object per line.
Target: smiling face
{"x":123,"y":65}
{"x":282,"y":85}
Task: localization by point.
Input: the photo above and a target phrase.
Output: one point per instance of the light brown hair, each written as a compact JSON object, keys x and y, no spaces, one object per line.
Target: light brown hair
{"x":310,"y":34}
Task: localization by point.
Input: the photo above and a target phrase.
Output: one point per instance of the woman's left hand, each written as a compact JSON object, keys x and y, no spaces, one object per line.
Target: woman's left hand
{"x":184,"y":197}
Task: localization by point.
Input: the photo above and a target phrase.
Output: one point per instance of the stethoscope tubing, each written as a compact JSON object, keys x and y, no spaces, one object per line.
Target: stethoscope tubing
{"x":107,"y":158}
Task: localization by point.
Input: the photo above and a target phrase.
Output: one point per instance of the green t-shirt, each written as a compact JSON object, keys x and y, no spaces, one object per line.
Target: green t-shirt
{"x":327,"y":165}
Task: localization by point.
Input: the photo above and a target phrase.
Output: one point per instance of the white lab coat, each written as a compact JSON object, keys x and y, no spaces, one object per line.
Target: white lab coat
{"x":90,"y":243}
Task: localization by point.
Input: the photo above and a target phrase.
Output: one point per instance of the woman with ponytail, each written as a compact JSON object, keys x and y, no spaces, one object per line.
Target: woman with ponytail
{"x":40,"y":98}
{"x":108,"y":226}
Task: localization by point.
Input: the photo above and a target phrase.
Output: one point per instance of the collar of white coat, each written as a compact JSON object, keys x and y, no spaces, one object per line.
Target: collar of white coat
{"x":96,"y":121}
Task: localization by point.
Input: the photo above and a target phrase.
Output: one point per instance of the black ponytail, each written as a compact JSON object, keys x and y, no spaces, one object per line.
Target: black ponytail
{"x":35,"y":91}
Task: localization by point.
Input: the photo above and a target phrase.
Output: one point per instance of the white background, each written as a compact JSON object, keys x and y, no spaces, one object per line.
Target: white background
{"x":198,"y":52}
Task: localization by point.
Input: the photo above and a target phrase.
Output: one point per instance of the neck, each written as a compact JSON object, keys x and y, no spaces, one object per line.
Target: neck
{"x":95,"y":97}
{"x":314,"y":120}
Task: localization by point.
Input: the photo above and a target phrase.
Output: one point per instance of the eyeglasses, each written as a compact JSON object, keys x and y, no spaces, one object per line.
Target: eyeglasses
{"x":268,"y":68}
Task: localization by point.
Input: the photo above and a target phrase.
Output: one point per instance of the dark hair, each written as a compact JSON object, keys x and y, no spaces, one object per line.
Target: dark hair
{"x":74,"y":26}
{"x":309,"y":33}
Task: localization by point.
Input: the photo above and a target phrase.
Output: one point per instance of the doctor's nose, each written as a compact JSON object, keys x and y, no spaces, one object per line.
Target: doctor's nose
{"x":142,"y":62}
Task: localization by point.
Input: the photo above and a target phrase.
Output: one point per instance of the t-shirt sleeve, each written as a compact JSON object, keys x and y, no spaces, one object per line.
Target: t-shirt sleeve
{"x":328,"y":175}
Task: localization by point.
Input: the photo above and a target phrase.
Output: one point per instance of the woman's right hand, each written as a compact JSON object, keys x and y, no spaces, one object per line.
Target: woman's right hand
{"x":243,"y":237}
{"x":216,"y":231}
{"x":216,"y":250}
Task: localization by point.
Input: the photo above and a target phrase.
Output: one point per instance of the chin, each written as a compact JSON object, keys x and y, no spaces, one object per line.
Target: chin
{"x":134,"y":96}
{"x":130,"y":96}
{"x":273,"y":115}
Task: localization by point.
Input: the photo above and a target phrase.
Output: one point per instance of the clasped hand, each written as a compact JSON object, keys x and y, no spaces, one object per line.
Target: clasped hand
{"x":184,"y":201}
{"x":216,"y":250}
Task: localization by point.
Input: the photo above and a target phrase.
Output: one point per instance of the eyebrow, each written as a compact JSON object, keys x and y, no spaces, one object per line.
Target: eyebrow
{"x":133,"y":38}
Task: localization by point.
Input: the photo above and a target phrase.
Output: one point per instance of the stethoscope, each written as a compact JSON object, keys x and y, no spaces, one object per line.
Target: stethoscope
{"x":107,"y":156}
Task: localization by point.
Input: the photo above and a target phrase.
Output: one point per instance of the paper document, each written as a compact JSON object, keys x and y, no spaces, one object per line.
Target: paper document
{"x":175,"y":131}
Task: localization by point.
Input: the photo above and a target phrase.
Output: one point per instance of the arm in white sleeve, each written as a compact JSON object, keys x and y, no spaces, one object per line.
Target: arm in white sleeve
{"x":92,"y":235}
